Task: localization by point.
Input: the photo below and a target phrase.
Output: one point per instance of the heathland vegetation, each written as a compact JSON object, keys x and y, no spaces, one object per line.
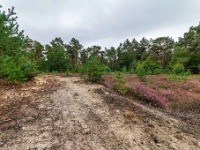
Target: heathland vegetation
{"x":160,"y":71}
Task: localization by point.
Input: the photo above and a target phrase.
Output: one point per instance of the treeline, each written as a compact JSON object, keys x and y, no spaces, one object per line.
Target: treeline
{"x":21,"y":57}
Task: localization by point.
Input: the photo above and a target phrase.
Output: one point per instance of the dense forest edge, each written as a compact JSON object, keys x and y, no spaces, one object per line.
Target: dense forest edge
{"x":161,"y":71}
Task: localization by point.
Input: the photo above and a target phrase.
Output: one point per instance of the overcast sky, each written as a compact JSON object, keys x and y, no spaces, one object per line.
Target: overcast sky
{"x":104,"y":22}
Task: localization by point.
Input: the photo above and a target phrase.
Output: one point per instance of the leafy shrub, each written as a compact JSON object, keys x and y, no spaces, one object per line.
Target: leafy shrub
{"x":57,"y":60}
{"x":178,"y":69}
{"x":119,"y":84}
{"x":132,"y":71}
{"x":77,"y":68}
{"x":132,"y":67}
{"x":42,"y":65}
{"x":124,"y":69}
{"x":28,"y":67}
{"x":67,"y":72}
{"x":15,"y":63}
{"x":149,"y":66}
{"x":107,"y":69}
{"x":83,"y":70}
{"x":141,"y":72}
{"x":10,"y":70}
{"x":176,"y":78}
{"x":94,"y":69}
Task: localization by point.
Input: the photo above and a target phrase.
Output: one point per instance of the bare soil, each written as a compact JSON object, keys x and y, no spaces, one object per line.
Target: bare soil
{"x":54,"y":112}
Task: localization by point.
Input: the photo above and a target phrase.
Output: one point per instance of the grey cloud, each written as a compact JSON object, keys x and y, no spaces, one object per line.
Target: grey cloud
{"x":100,"y":21}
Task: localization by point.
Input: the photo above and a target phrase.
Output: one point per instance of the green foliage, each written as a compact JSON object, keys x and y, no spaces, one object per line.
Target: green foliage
{"x":42,"y":65}
{"x":111,"y":55}
{"x":191,"y":43}
{"x":21,"y":56}
{"x":73,"y":49}
{"x":141,"y":72}
{"x":161,"y":49}
{"x":107,"y":69}
{"x":132,"y":71}
{"x":124,"y":69}
{"x":119,"y":84}
{"x":178,"y":69}
{"x":181,"y":55}
{"x":94,"y":69}
{"x":194,"y":62}
{"x":177,"y":78}
{"x":57,"y":60}
{"x":133,"y":66}
{"x":12,"y":40}
{"x":77,"y":68}
{"x":10,"y":70}
{"x":126,"y":53}
{"x":149,"y":66}
{"x":20,"y":69}
{"x":15,"y":62}
{"x":126,"y":58}
{"x":27,"y":66}
{"x":68,"y":73}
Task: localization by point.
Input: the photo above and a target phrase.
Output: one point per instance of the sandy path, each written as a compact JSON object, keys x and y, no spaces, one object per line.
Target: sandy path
{"x":84,"y":116}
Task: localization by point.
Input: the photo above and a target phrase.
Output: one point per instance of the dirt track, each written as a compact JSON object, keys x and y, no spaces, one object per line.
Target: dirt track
{"x":67,"y":113}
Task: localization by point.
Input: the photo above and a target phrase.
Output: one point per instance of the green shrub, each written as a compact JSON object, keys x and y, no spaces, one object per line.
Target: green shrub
{"x":132,"y":67}
{"x":132,"y":71}
{"x":141,"y":72}
{"x":10,"y":70}
{"x":107,"y":69}
{"x":83,"y":70}
{"x":15,"y":62}
{"x":68,"y":72}
{"x":177,"y":78}
{"x":119,"y":84}
{"x":28,"y":67}
{"x":124,"y":69}
{"x":77,"y":68}
{"x":178,"y":69}
{"x":94,"y":69}
{"x":42,"y":65}
{"x":149,"y":66}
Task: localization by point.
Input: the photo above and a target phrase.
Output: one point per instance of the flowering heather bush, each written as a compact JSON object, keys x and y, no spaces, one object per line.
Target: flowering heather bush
{"x":149,"y":94}
{"x":138,"y":89}
{"x":160,"y":90}
{"x":167,"y":93}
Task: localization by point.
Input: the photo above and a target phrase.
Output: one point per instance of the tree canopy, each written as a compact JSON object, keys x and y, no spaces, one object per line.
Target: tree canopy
{"x":22,"y":57}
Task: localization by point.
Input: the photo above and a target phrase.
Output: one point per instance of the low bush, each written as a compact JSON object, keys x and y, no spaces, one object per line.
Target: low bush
{"x":119,"y":84}
{"x":148,"y":94}
{"x":107,"y":69}
{"x":149,"y":67}
{"x":94,"y":69}
{"x":124,"y":69}
{"x":177,"y":78}
{"x":10,"y":71}
{"x":28,"y":67}
{"x":178,"y":69}
{"x":141,"y":72}
{"x":68,"y":72}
